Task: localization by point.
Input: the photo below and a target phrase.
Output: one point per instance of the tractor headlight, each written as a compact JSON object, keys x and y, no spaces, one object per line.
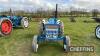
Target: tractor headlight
{"x":48,"y":35}
{"x":55,"y":35}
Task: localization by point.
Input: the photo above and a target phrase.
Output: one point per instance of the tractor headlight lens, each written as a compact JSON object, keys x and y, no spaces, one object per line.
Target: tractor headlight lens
{"x":48,"y":35}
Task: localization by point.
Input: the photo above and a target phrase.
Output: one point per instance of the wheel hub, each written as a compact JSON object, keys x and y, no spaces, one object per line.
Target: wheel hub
{"x":25,"y":23}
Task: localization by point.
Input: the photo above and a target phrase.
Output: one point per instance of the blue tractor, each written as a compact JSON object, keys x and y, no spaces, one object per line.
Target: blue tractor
{"x":51,"y":30}
{"x":8,"y":22}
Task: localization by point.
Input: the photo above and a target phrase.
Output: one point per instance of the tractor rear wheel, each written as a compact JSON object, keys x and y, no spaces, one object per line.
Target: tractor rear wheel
{"x":97,"y":31}
{"x":24,"y":22}
{"x":5,"y":26}
{"x":34,"y":43}
{"x":66,"y":43}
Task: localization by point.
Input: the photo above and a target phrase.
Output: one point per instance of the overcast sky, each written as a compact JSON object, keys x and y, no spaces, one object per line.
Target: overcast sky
{"x":45,"y":4}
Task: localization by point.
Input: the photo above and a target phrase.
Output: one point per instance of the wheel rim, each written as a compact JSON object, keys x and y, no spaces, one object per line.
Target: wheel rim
{"x":25,"y":22}
{"x":98,"y":32}
{"x":6,"y":27}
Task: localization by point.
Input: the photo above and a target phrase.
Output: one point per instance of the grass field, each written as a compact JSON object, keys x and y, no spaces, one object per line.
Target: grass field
{"x":18,"y":43}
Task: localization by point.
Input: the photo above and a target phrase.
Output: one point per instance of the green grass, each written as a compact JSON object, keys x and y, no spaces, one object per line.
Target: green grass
{"x":18,"y":43}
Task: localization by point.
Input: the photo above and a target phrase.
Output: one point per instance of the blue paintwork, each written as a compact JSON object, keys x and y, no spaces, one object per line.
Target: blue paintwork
{"x":52,"y":20}
{"x":16,"y":20}
{"x":51,"y":34}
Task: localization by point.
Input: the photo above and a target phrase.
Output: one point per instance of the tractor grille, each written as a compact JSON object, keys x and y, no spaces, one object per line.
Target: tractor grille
{"x":51,"y":33}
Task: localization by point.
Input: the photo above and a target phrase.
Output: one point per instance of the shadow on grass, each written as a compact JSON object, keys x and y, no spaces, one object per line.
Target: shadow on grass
{"x":85,"y":21}
{"x":93,"y":37}
{"x":29,"y":36}
{"x":17,"y":27}
{"x":50,"y":49}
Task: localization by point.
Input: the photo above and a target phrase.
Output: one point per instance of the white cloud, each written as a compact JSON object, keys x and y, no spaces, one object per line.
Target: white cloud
{"x":3,"y":0}
{"x":63,"y":4}
{"x":86,"y":3}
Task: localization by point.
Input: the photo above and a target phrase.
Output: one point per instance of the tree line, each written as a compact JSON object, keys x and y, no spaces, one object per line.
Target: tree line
{"x":49,"y":13}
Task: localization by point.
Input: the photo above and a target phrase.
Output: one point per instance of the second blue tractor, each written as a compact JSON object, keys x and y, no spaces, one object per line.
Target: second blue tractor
{"x":8,"y":22}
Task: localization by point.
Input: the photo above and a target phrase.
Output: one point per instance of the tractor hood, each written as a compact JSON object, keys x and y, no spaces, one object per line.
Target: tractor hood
{"x":52,"y":21}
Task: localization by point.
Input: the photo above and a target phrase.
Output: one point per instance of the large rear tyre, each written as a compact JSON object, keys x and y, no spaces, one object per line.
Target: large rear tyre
{"x":5,"y":26}
{"x":24,"y":22}
{"x":35,"y":44}
{"x":97,"y":32}
{"x":66,"y":43}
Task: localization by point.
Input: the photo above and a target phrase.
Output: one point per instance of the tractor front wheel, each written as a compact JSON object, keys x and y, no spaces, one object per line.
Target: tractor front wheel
{"x":5,"y":26}
{"x":97,"y":31}
{"x":34,"y":43}
{"x":66,"y":43}
{"x":24,"y":22}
